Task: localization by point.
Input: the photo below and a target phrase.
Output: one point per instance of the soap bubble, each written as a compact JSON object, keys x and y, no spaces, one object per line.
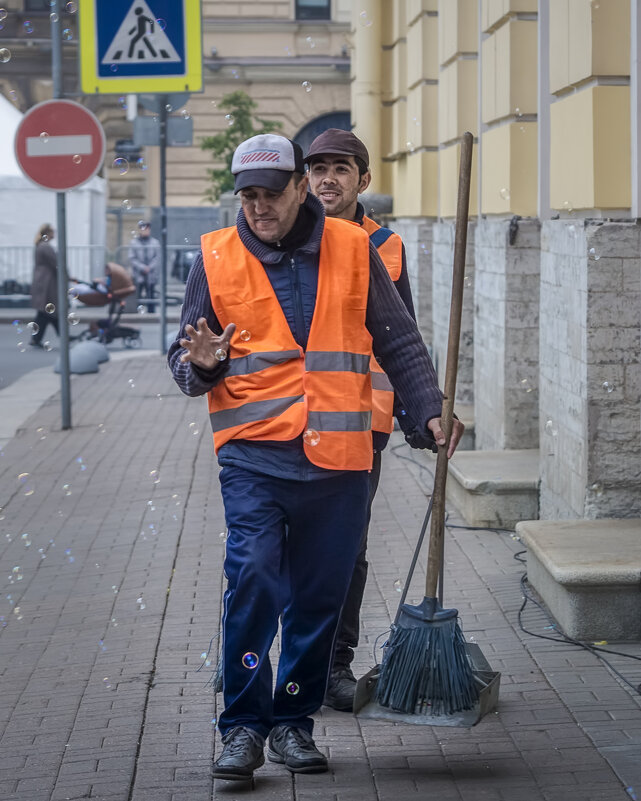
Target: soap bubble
{"x":505,"y":193}
{"x":310,"y":42}
{"x":25,"y":484}
{"x":3,"y":13}
{"x":525,"y":385}
{"x":597,"y":489}
{"x":33,"y":327}
{"x":223,"y":536}
{"x":245,"y":335}
{"x":5,"y":55}
{"x":126,"y":204}
{"x":307,"y":86}
{"x":230,"y":119}
{"x":154,"y":476}
{"x":67,"y":34}
{"x":411,"y":147}
{"x":311,"y":437}
{"x":21,"y":347}
{"x":220,"y":355}
{"x":551,"y":429}
{"x":185,"y":114}
{"x":71,"y":7}
{"x":193,"y":428}
{"x":28,"y":27}
{"x":53,"y":16}
{"x":250,"y":660}
{"x":608,"y":387}
{"x":593,"y":255}
{"x":50,"y":308}
{"x":398,"y":585}
{"x":76,"y":159}
{"x":364,"y":19}
{"x":567,"y":206}
{"x":161,"y":23}
{"x":121,"y":164}
{"x":73,"y":318}
{"x":292,"y":688}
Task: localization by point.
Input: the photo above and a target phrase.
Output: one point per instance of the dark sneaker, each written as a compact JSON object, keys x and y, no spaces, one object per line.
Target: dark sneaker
{"x":340,"y":689}
{"x":242,"y":754}
{"x":295,"y":749}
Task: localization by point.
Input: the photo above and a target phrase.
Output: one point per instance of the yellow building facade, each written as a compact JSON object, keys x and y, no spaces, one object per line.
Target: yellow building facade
{"x":550,"y":347}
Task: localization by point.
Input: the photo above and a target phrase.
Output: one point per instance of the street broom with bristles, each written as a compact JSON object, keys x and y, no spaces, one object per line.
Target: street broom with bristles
{"x":425,"y":668}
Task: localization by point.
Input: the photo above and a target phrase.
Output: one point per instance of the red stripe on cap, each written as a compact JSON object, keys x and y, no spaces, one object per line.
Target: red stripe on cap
{"x":260,"y":155}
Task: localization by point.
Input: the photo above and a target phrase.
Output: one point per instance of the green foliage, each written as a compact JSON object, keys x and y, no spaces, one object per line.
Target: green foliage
{"x":241,"y":124}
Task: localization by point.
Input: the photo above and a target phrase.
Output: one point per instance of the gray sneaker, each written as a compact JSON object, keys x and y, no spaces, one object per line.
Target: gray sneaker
{"x":241,"y":756}
{"x":295,"y":748}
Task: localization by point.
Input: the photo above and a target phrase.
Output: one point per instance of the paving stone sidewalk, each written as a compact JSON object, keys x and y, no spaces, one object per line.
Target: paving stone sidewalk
{"x":111,"y":549}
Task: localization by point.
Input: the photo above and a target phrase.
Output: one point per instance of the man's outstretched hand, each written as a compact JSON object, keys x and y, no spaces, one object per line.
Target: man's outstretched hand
{"x":201,"y":347}
{"x":458,"y":428}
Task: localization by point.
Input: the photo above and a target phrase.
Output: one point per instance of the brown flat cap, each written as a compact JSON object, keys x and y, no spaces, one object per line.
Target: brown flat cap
{"x":337,"y":142}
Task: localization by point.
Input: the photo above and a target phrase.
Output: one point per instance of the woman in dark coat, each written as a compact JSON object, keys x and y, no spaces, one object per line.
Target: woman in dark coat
{"x":44,"y":286}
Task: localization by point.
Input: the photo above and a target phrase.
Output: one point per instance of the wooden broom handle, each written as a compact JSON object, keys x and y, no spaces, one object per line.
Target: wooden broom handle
{"x":437,"y":529}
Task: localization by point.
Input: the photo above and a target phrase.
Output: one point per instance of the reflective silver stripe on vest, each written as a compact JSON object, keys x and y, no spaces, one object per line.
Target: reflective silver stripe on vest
{"x":340,"y":421}
{"x":243,"y":365}
{"x":382,"y":382}
{"x":336,"y":361}
{"x":251,"y":412}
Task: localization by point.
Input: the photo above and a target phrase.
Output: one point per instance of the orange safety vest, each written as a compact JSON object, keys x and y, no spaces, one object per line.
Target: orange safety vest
{"x":391,"y":253}
{"x":273,"y":390}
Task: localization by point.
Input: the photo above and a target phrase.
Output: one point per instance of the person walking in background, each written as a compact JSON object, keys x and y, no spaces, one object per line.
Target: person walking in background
{"x":144,"y":260}
{"x":338,"y":172}
{"x":282,"y":312}
{"x":44,"y":285}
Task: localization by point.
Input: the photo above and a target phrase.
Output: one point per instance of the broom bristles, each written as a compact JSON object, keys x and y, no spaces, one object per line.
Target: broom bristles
{"x":426,"y":671}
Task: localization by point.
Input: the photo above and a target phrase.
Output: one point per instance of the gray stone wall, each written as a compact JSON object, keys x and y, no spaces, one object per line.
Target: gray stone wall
{"x":416,"y":234}
{"x":442,"y":264}
{"x":590,"y":373}
{"x":506,"y":335}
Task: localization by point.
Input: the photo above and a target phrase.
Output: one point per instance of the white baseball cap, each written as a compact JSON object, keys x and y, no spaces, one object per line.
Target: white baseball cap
{"x":266,"y":160}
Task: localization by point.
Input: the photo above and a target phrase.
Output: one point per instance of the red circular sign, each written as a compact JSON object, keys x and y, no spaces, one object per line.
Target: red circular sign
{"x":59,"y":144}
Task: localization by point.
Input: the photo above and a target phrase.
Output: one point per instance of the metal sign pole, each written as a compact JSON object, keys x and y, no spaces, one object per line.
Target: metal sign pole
{"x":163,"y":223}
{"x":61,"y":208}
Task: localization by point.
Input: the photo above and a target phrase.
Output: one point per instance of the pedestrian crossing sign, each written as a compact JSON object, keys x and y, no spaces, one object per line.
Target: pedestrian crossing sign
{"x":140,"y":46}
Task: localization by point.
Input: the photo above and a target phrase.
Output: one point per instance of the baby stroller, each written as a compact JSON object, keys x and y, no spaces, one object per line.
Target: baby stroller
{"x":109,"y":291}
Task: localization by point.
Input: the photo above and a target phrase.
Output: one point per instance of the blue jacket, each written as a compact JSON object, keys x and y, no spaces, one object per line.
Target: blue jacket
{"x":292,"y":268}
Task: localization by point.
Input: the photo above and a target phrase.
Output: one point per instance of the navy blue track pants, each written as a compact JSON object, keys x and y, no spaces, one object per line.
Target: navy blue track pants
{"x":314,"y":527}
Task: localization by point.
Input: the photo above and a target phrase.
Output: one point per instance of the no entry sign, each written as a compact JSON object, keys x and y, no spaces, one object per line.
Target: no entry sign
{"x":59,"y":144}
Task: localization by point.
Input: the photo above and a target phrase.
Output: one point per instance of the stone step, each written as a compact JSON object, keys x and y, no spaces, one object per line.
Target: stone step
{"x":588,"y":573}
{"x":495,"y":488}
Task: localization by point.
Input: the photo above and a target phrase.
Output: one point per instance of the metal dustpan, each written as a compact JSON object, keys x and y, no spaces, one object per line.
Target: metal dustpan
{"x":488,"y":680}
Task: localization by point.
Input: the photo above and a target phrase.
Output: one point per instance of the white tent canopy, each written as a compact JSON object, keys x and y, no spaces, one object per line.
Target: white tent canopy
{"x":26,"y":206}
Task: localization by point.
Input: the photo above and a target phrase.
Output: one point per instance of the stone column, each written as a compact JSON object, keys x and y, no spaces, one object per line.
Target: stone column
{"x":590,"y":370}
{"x":416,"y":234}
{"x":443,"y":260}
{"x":506,"y":334}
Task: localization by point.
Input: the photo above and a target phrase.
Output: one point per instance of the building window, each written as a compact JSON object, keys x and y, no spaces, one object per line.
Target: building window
{"x":313,"y":9}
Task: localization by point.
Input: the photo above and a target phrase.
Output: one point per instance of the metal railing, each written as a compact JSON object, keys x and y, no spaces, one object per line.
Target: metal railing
{"x":84,"y":262}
